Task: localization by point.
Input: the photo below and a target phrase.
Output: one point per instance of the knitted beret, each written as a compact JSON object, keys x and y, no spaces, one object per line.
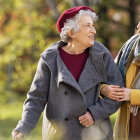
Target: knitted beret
{"x":69,"y":14}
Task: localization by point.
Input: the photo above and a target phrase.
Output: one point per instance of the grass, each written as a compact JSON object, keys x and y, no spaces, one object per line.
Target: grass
{"x":10,"y":114}
{"x":113,"y":118}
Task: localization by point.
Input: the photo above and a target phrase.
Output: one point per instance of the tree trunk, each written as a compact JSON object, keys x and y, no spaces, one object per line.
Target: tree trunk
{"x":10,"y":75}
{"x":52,"y":5}
{"x":80,"y":2}
{"x":132,"y":21}
{"x":103,"y":31}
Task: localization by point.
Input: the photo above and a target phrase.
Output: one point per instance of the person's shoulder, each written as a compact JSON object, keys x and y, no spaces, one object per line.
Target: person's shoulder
{"x":139,"y":36}
{"x":99,"y":47}
{"x":133,"y":38}
{"x":54,"y":48}
{"x":51,"y":48}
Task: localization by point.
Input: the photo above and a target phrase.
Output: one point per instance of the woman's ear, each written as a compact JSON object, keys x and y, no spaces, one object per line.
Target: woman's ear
{"x":71,"y":34}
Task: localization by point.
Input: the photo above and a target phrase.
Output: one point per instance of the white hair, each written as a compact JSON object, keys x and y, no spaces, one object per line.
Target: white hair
{"x":72,"y":24}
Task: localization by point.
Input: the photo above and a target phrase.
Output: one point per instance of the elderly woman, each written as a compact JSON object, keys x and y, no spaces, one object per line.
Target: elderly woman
{"x":127,"y":125}
{"x":67,"y":84}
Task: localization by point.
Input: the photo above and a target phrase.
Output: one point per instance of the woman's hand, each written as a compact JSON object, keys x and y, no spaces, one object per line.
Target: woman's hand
{"x":113,"y":92}
{"x":86,"y":119}
{"x":116,"y":93}
{"x":126,"y":95}
{"x":17,"y":135}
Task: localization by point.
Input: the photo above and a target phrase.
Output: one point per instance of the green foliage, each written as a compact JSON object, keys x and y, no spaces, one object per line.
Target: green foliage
{"x":27,"y":30}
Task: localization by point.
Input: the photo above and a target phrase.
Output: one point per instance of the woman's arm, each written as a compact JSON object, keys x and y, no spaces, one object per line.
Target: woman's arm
{"x":121,"y":94}
{"x":135,"y":97}
{"x":132,"y":95}
{"x":113,"y":92}
{"x":35,"y":103}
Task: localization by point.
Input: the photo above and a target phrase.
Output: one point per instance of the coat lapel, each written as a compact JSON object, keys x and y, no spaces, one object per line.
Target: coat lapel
{"x":58,"y":69}
{"x":93,"y":73}
{"x":64,"y":75}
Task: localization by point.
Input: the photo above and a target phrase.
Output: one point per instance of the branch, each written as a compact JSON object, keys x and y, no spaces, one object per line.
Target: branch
{"x":52,"y":5}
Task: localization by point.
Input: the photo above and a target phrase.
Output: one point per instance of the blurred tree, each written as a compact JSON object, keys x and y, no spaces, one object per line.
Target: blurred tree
{"x":117,"y":21}
{"x":80,"y":2}
{"x":25,"y":31}
{"x":52,"y":5}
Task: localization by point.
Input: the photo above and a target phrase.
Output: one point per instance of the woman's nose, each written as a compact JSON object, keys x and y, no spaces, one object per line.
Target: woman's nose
{"x":93,"y":30}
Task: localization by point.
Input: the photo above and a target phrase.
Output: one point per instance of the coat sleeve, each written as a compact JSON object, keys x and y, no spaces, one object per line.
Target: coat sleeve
{"x":36,"y":99}
{"x":105,"y":106}
{"x":135,"y":97}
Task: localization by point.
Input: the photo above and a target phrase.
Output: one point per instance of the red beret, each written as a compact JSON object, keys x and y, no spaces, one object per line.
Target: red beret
{"x":69,"y":14}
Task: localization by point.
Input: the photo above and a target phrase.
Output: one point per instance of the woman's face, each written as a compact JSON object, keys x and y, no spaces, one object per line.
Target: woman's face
{"x":85,"y":35}
{"x":138,"y":26}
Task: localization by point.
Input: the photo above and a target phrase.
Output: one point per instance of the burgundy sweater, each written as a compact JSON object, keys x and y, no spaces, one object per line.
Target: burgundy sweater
{"x":74,"y":62}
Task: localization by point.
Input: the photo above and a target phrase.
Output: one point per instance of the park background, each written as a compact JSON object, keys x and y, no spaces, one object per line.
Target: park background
{"x":28,"y":27}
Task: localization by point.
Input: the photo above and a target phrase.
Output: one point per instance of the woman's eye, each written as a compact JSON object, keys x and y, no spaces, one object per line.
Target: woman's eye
{"x":90,"y":25}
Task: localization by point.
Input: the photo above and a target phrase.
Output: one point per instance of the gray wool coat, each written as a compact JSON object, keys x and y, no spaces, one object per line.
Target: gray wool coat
{"x":64,"y":100}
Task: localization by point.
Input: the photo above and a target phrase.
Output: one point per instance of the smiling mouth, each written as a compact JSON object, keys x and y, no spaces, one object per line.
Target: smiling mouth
{"x":91,"y":37}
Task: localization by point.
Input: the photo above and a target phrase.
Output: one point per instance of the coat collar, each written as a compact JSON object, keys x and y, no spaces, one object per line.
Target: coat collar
{"x":58,"y":69}
{"x":64,"y":75}
{"x":91,"y":74}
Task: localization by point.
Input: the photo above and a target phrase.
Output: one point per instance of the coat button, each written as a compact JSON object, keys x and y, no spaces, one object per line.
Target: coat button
{"x":66,"y":92}
{"x":66,"y":119}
